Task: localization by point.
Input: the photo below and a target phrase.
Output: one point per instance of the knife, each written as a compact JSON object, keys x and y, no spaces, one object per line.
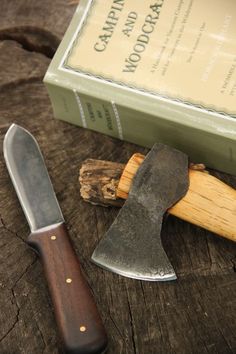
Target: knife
{"x":76,"y":313}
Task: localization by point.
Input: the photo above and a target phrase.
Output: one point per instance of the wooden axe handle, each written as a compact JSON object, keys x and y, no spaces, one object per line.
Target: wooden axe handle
{"x":209,"y":203}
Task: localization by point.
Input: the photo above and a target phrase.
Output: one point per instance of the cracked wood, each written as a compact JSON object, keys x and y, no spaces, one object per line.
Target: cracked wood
{"x":196,"y":314}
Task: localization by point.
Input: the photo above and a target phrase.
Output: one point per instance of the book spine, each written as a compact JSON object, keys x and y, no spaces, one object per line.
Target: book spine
{"x":86,"y":111}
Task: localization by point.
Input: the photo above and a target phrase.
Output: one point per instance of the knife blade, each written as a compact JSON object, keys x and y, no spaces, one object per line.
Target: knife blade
{"x":75,"y":310}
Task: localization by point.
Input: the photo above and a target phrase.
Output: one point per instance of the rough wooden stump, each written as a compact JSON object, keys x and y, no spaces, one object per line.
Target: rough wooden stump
{"x":196,"y":314}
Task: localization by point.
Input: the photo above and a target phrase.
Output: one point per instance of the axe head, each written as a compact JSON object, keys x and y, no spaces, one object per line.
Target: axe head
{"x":132,"y":246}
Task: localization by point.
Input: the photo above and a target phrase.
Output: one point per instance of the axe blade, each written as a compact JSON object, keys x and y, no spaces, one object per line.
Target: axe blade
{"x":132,"y":246}
{"x":132,"y":249}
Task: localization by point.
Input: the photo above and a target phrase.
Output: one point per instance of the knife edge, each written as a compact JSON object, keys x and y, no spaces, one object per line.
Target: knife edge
{"x":29,"y":175}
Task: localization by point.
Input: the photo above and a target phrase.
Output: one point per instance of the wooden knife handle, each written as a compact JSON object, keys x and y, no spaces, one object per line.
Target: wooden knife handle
{"x":76,"y":313}
{"x":209,"y":202}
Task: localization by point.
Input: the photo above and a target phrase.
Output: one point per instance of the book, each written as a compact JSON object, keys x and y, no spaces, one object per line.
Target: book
{"x":152,"y":71}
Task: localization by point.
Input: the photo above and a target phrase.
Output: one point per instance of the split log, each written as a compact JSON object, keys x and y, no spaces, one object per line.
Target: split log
{"x":107,"y":183}
{"x":99,"y":182}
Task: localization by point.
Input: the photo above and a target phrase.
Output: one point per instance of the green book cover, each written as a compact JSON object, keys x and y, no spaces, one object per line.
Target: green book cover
{"x":152,"y":71}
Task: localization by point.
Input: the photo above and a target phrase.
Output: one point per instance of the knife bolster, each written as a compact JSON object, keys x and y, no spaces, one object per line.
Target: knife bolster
{"x":75,"y":310}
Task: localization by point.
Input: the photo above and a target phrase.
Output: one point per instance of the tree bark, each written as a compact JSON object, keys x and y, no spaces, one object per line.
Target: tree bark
{"x":99,"y":181}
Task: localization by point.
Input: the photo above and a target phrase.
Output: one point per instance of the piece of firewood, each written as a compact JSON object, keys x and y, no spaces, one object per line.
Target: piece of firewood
{"x":209,"y":202}
{"x":99,"y":181}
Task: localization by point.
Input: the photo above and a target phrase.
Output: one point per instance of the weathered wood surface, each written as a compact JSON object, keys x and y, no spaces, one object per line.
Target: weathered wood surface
{"x":99,"y":182}
{"x":195,"y":314}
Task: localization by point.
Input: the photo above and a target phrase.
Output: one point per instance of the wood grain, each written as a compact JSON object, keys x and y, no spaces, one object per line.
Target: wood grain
{"x":196,"y":314}
{"x":80,"y":325}
{"x":99,"y":182}
{"x":208,"y":203}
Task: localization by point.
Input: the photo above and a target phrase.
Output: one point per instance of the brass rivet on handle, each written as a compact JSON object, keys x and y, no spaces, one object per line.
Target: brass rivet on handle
{"x":53,"y":237}
{"x":69,"y":280}
{"x":82,"y":328}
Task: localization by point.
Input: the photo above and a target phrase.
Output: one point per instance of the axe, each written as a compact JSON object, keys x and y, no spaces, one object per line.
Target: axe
{"x":161,"y":182}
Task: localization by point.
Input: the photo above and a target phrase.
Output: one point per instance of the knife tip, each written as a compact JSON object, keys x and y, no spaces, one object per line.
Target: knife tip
{"x":8,"y":137}
{"x":12,"y":127}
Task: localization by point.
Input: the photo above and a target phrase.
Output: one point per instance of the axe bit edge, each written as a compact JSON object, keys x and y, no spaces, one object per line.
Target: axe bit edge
{"x":132,"y":246}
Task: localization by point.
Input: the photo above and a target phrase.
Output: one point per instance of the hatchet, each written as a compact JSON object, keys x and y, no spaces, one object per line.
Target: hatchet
{"x":132,"y":246}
